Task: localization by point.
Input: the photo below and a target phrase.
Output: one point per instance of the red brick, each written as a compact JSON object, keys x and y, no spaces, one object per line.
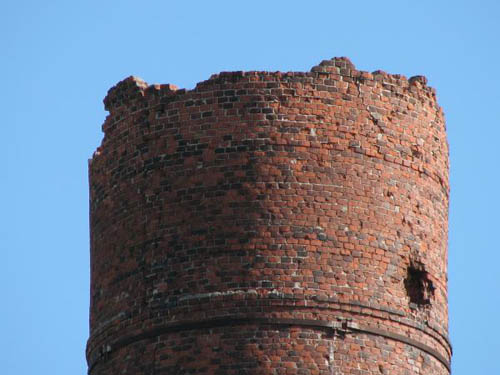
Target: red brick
{"x":258,"y":197}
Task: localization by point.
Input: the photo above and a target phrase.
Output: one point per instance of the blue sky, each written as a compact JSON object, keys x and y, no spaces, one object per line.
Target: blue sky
{"x":59,"y":58}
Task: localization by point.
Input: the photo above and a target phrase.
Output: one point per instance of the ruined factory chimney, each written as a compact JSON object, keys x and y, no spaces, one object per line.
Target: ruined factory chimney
{"x":271,"y":223}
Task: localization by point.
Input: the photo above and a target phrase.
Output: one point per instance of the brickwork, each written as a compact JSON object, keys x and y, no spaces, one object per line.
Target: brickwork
{"x":271,"y":223}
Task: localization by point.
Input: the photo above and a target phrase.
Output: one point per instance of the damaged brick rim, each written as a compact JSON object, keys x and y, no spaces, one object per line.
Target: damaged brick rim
{"x":331,"y":183}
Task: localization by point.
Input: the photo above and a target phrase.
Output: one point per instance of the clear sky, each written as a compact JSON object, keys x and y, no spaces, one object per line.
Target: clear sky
{"x":59,"y":58}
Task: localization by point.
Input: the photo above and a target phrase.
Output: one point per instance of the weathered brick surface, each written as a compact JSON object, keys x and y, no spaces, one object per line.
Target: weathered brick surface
{"x":271,"y":223}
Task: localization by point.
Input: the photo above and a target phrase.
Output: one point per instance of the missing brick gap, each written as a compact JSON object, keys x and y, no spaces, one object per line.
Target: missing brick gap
{"x":419,"y":287}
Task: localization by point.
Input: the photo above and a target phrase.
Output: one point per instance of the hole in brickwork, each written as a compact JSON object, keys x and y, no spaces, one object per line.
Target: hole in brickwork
{"x":418,"y":286}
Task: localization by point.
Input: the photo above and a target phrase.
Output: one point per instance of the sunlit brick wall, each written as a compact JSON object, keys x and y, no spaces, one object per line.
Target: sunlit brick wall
{"x":271,"y":223}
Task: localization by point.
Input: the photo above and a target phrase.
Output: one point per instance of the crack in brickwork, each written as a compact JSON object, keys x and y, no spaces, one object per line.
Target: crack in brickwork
{"x":418,"y":286}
